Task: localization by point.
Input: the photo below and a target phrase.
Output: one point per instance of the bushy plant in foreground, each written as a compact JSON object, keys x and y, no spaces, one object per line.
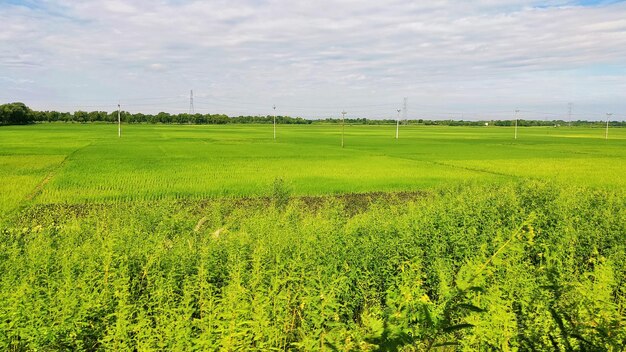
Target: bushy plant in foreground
{"x":512,"y":267}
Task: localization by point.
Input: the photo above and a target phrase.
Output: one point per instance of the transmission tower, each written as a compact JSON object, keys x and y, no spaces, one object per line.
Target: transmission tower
{"x":191,"y":109}
{"x":569,"y":114}
{"x":404,"y":112}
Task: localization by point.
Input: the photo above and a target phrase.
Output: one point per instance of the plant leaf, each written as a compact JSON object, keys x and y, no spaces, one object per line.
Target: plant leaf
{"x":448,"y":343}
{"x":471,"y":307}
{"x":458,"y":327}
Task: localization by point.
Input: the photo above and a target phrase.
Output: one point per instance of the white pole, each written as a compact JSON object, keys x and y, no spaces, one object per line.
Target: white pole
{"x":516,"y":111}
{"x":119,"y":122}
{"x":398,"y":123}
{"x":606,"y":133}
{"x":343,"y":117}
{"x":274,"y":107}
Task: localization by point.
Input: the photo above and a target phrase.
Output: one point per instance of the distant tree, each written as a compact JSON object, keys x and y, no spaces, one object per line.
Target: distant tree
{"x":80,"y":116}
{"x":15,"y":114}
{"x":93,"y":116}
{"x":18,"y":113}
{"x":180,"y":118}
{"x":164,"y":117}
{"x":200,"y":119}
{"x":52,"y":116}
{"x":138,"y":118}
{"x":65,"y":117}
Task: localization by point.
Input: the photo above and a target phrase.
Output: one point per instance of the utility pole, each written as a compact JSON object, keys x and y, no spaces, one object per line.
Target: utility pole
{"x":398,"y":123}
{"x":606,"y":133}
{"x":191,"y":109}
{"x":274,"y":107}
{"x":119,"y":122}
{"x":516,"y":111}
{"x":343,"y":118}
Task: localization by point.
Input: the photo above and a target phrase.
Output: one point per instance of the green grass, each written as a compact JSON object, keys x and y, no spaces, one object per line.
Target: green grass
{"x":72,"y":163}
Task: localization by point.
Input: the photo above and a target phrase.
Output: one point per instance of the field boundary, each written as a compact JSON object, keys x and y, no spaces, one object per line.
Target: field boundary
{"x":40,"y":186}
{"x":454,"y":166}
{"x":475,"y":169}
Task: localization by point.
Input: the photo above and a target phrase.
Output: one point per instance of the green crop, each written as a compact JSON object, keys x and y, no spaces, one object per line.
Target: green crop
{"x":88,"y":163}
{"x":220,"y":238}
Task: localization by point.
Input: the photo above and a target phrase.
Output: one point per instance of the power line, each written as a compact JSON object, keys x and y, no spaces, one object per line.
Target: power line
{"x":373,"y":110}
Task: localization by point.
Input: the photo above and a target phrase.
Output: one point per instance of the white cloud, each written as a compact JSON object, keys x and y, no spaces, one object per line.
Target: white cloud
{"x":319,"y":56}
{"x":16,"y":80}
{"x":121,"y":7}
{"x":156,"y":67}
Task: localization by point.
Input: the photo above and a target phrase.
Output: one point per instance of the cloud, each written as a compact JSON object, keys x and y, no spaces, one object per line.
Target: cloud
{"x":156,"y":67}
{"x":16,"y":80}
{"x":481,"y":55}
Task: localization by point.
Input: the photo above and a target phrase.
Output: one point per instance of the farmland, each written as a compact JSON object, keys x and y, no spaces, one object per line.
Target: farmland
{"x":220,"y":238}
{"x":88,"y":163}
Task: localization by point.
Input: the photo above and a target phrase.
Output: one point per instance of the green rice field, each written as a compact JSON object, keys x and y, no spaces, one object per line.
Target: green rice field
{"x":59,"y":163}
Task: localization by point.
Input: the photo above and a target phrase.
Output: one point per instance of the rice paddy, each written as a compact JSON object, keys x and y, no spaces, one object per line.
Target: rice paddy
{"x":73,"y":163}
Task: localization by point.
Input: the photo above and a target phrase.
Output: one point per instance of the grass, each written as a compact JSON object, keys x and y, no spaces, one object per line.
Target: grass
{"x":72,"y":163}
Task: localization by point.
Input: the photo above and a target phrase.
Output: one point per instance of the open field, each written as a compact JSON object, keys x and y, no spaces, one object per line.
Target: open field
{"x":58,"y":163}
{"x":184,"y":238}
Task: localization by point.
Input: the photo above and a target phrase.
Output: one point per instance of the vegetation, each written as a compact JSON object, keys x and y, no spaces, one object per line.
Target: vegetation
{"x":19,"y":114}
{"x":525,"y":266}
{"x":222,"y":238}
{"x":58,"y":163}
{"x":16,"y":114}
{"x":8,"y":116}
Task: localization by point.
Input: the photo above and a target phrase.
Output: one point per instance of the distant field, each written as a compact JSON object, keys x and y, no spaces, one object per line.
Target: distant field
{"x":72,"y":163}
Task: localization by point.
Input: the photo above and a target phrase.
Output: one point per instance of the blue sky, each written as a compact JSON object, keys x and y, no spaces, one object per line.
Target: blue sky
{"x":470,"y":59}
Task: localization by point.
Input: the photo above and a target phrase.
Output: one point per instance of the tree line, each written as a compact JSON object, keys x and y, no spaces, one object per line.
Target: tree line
{"x":19,"y":114}
{"x":520,"y":122}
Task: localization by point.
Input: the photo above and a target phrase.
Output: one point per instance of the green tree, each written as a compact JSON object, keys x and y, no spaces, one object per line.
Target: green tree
{"x":81,"y":116}
{"x":15,"y":114}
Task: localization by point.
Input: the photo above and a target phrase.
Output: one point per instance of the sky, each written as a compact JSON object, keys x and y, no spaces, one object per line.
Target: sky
{"x":451,"y":59}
